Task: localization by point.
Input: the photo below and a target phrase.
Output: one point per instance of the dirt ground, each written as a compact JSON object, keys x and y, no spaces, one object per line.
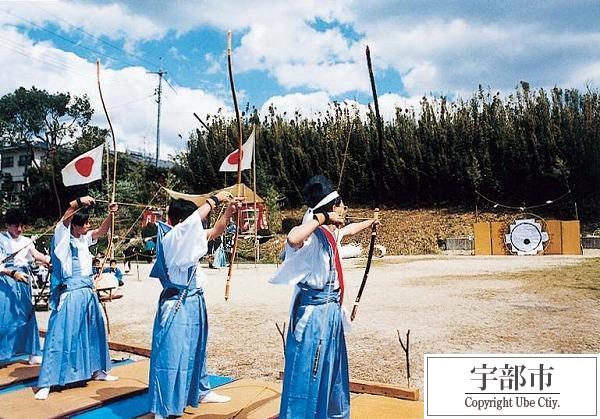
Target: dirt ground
{"x":450,"y":303}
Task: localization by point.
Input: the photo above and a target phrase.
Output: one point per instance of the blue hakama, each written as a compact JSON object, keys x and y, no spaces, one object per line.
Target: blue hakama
{"x":178,"y":375}
{"x":18,"y":324}
{"x":76,"y":345}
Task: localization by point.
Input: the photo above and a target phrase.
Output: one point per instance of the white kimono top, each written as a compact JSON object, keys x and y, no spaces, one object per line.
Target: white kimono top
{"x":62,"y":249}
{"x":309,"y":264}
{"x":8,"y":246}
{"x":183,"y":246}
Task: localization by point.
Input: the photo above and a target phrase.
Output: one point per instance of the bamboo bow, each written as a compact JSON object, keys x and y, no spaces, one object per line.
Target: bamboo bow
{"x":239,"y":166}
{"x":377,"y":189}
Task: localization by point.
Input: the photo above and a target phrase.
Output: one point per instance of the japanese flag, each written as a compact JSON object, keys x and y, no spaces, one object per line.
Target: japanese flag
{"x":85,"y":168}
{"x":230,"y":163}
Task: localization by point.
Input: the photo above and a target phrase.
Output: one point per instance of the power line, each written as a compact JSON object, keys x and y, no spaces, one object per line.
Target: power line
{"x":130,"y":102}
{"x":58,"y":65}
{"x":64,"y":38}
{"x":117,"y":48}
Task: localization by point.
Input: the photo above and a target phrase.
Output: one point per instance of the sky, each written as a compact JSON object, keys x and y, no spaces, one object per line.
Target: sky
{"x":299,"y":55}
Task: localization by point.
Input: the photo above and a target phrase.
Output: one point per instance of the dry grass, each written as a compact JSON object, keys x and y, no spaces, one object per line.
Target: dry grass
{"x":414,"y":232}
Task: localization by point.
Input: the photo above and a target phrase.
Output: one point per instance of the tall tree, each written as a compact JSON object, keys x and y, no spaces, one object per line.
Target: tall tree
{"x":35,"y":116}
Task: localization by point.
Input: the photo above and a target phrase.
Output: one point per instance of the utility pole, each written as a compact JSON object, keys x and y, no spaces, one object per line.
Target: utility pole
{"x":160,"y":74}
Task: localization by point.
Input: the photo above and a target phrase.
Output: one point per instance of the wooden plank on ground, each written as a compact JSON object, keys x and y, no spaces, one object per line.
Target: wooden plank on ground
{"x":250,"y":399}
{"x":375,"y":407}
{"x":17,"y":372}
{"x":497,"y":232}
{"x":253,"y":399}
{"x":383,"y":389}
{"x":133,"y":379}
{"x":571,"y":238}
{"x":554,"y":229}
{"x":380,"y":389}
{"x":483,"y":239}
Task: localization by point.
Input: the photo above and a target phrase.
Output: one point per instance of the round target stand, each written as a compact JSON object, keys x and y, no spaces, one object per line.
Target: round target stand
{"x":526,"y":237}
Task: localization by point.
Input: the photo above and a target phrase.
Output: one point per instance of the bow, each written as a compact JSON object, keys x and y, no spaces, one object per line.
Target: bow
{"x":114,"y":142}
{"x":368,"y":267}
{"x":239,"y":165}
{"x":379,"y":165}
{"x":110,"y":249}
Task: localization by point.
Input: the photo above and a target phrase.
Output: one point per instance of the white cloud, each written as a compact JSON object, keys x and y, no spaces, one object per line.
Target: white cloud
{"x":214,"y":65}
{"x":588,"y":75}
{"x":390,"y":101}
{"x":175,"y":53}
{"x":435,"y":55}
{"x":431,"y":50}
{"x":126,"y":92}
{"x":308,"y":105}
{"x":112,"y":20}
{"x":311,"y":104}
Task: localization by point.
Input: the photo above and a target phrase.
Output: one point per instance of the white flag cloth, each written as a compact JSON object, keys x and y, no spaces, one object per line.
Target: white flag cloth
{"x":85,"y":168}
{"x":230,"y":164}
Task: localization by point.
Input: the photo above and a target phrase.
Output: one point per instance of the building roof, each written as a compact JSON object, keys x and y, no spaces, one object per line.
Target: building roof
{"x":245,"y":192}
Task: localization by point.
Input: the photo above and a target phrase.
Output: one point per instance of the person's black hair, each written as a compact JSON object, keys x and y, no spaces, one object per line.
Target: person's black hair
{"x":112,"y":260}
{"x":317,"y":188}
{"x":81,"y":217}
{"x":14,"y":216}
{"x":180,"y":209}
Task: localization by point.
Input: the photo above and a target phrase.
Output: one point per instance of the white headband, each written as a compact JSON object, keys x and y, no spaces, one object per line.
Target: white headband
{"x":309,"y":213}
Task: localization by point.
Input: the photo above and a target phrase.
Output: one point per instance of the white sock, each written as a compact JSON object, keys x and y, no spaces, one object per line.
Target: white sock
{"x":212,"y":397}
{"x":157,"y":416}
{"x":42,"y":393}
{"x":35,"y":360}
{"x":103,"y":376}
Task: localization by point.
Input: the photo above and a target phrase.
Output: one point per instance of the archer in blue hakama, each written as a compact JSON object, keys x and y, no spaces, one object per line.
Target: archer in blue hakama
{"x":178,"y":375}
{"x":76,"y":347}
{"x":18,"y":325}
{"x":316,"y":382}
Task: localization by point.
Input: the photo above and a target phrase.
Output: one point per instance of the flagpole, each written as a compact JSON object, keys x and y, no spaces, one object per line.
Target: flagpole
{"x":254,"y":187}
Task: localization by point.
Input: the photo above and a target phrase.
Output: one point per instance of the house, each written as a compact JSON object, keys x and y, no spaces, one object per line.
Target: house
{"x":15,"y":161}
{"x":139,"y":157}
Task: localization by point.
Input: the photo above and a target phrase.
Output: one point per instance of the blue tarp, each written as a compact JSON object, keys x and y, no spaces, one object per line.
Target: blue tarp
{"x":137,"y":405}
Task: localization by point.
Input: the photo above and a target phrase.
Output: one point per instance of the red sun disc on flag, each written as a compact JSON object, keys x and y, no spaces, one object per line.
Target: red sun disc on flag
{"x":84,"y":166}
{"x":233,"y":157}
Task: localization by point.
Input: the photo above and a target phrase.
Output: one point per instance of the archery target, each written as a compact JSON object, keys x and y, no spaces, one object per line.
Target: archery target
{"x":526,"y":237}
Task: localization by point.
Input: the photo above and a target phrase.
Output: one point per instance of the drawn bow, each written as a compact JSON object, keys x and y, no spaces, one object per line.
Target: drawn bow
{"x":110,"y":249}
{"x":239,"y":165}
{"x":379,"y":165}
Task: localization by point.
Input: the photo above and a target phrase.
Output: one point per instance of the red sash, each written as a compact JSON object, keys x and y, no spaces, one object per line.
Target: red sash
{"x":338,"y":262}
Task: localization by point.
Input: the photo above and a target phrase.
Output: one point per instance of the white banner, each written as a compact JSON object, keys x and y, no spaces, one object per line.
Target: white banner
{"x":523,"y":385}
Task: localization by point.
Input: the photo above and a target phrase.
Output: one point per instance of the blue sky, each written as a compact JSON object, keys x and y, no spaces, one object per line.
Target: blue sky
{"x":295,"y":55}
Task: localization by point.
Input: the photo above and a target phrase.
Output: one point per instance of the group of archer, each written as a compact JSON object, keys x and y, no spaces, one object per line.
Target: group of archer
{"x":316,"y":382}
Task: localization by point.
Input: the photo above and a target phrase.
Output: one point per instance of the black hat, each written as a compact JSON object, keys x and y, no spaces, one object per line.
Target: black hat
{"x":317,"y":188}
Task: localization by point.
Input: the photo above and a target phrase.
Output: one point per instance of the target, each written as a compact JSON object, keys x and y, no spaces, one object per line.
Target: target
{"x":526,"y":237}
